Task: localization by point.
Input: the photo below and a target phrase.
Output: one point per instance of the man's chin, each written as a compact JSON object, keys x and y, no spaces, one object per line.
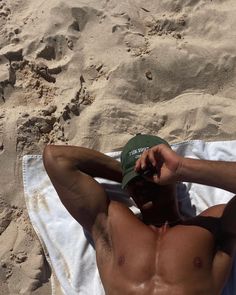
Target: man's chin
{"x":147,"y":206}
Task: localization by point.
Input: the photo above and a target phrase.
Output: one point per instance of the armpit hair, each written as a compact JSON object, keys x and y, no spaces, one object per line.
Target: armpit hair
{"x":103,"y":235}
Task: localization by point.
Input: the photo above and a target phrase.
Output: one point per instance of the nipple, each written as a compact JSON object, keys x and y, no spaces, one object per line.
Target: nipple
{"x":197,"y":262}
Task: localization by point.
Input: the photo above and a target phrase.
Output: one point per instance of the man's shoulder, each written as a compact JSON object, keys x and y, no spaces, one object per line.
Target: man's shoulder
{"x":209,"y":219}
{"x":214,"y":211}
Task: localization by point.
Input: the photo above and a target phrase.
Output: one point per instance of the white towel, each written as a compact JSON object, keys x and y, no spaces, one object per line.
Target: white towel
{"x":68,"y":251}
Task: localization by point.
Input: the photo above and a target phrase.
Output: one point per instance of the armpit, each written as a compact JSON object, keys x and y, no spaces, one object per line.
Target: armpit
{"x":101,"y":234}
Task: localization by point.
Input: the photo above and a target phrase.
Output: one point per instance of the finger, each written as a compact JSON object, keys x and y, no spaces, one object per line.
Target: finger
{"x":156,"y":178}
{"x":144,"y":160}
{"x":152,"y":178}
{"x":137,"y":165}
{"x":139,"y":162}
{"x":152,"y":157}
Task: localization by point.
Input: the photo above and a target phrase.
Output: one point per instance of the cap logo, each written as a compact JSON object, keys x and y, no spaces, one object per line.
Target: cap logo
{"x":138,"y":151}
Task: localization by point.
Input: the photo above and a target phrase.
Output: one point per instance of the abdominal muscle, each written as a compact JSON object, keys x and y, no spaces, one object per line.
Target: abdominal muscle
{"x":155,"y":260}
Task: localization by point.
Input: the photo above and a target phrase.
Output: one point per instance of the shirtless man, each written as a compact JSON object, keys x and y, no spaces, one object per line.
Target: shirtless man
{"x":162,"y":253}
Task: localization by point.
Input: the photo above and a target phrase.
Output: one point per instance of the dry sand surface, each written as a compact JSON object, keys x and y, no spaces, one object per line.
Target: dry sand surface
{"x":94,"y":73}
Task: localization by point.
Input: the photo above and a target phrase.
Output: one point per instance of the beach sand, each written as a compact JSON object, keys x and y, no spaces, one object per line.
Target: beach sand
{"x":95,"y":73}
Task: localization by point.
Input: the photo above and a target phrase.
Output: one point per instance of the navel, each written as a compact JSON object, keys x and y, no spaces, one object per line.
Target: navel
{"x":197,"y":262}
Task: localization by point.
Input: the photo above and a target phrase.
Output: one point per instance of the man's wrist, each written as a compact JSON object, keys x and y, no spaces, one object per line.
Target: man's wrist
{"x":187,"y":170}
{"x":180,"y":169}
{"x":196,"y":171}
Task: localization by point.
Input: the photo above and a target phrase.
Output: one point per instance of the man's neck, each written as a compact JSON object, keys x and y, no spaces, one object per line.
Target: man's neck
{"x":165,"y":209}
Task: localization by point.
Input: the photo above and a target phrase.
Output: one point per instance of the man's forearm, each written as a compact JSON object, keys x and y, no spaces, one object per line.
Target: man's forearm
{"x":212,"y":173}
{"x":86,"y":160}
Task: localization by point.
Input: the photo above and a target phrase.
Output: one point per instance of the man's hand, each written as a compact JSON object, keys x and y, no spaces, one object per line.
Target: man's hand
{"x":167,"y":167}
{"x":164,"y":163}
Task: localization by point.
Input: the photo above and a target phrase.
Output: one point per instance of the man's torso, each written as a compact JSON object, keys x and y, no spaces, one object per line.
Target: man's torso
{"x":134,"y":258}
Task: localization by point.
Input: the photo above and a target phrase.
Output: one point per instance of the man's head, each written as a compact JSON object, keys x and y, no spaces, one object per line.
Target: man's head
{"x":132,"y":151}
{"x":156,"y":202}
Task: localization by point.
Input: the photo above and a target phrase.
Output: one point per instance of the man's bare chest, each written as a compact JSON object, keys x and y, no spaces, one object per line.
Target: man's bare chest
{"x":163,"y":257}
{"x":168,"y":250}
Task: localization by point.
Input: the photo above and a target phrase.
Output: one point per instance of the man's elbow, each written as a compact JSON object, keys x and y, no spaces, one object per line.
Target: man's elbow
{"x":48,"y":152}
{"x":57,"y":157}
{"x":52,"y":157}
{"x":48,"y":157}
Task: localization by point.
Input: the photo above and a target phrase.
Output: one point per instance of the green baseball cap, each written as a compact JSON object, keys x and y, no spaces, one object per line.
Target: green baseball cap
{"x":133,"y":150}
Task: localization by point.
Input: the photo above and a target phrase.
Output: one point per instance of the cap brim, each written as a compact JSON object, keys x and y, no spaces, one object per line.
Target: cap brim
{"x":128,"y":177}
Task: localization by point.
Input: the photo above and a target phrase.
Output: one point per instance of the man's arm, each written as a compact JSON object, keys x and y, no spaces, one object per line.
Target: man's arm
{"x":71,"y":170}
{"x":222,"y":175}
{"x":219,"y":174}
{"x":171,"y":167}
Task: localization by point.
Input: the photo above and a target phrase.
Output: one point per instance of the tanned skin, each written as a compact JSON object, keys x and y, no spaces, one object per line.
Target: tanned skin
{"x":150,"y":256}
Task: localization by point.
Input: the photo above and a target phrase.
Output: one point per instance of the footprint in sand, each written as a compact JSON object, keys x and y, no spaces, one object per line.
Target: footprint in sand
{"x":24,"y":267}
